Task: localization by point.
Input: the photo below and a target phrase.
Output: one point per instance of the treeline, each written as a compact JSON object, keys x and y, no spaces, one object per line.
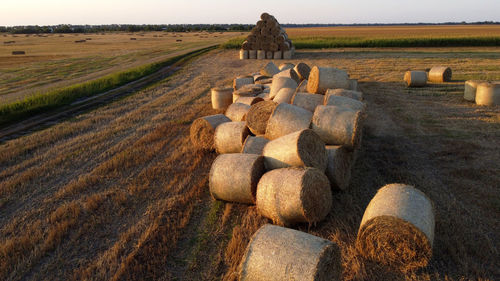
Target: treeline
{"x":67,"y":28}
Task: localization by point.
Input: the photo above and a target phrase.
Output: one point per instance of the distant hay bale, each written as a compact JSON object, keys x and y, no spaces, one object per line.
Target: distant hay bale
{"x":249,"y":100}
{"x":302,"y":87}
{"x":345,"y":102}
{"x":289,"y":73}
{"x":243,"y":54}
{"x":278,"y":253}
{"x":308,"y":101}
{"x":470,"y":89}
{"x":258,"y":116}
{"x":284,"y":95}
{"x":15,"y":53}
{"x":339,"y":166}
{"x":488,"y":94}
{"x":270,"y":69}
{"x":324,"y":78}
{"x":338,"y":125}
{"x":221,"y":97}
{"x":302,"y":71}
{"x":286,"y":65}
{"x":279,"y":83}
{"x":299,"y":149}
{"x":294,"y":195}
{"x":287,"y":55}
{"x":344,"y":93}
{"x":254,"y":145}
{"x":239,"y":81}
{"x":269,"y":55}
{"x":397,"y":228}
{"x":252,"y":54}
{"x":439,"y":74}
{"x":202,"y":130}
{"x":249,"y":90}
{"x":261,"y":54}
{"x":353,"y":84}
{"x":415,"y":78}
{"x":229,"y":137}
{"x":286,"y":119}
{"x":277,"y":55}
{"x":237,"y":111}
{"x":234,"y":177}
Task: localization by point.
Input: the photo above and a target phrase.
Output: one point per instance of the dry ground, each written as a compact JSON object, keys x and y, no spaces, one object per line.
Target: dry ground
{"x":119,"y":193}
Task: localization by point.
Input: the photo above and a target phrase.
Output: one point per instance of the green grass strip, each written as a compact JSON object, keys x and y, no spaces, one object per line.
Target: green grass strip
{"x":39,"y":103}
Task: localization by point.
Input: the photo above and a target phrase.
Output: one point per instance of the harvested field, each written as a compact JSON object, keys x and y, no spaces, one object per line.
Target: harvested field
{"x":120,"y":193}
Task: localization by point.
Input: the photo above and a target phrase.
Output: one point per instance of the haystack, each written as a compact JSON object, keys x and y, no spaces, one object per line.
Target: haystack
{"x":202,"y":130}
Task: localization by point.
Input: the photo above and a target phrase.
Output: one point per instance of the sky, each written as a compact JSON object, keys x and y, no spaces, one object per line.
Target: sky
{"x":51,"y":12}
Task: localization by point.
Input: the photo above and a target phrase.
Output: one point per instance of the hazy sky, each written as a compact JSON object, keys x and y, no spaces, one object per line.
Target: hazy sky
{"x":48,"y":12}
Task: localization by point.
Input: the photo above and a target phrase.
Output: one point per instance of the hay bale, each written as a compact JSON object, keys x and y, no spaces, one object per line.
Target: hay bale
{"x":270,"y":69}
{"x":281,"y":82}
{"x":324,"y":78}
{"x":249,"y":100}
{"x":344,"y":93}
{"x":302,"y":87}
{"x":289,"y":73}
{"x":339,"y":162}
{"x":284,"y":95}
{"x":243,"y":54}
{"x":221,"y":97}
{"x":265,"y":81}
{"x":294,"y":195}
{"x":488,"y":94}
{"x":342,"y":101}
{"x":439,"y":74}
{"x":258,"y":116}
{"x":237,"y":111}
{"x":286,"y":119}
{"x":308,"y":101}
{"x":286,"y":65}
{"x":278,"y":253}
{"x":264,"y":96}
{"x":202,"y":130}
{"x":252,"y":54}
{"x":261,"y":54}
{"x":398,"y":227}
{"x":353,"y":84}
{"x":415,"y":78}
{"x":302,"y":71}
{"x":15,"y":53}
{"x":229,"y":137}
{"x":338,"y":125}
{"x":234,"y":177}
{"x":254,"y":145}
{"x":299,"y":149}
{"x":287,"y":55}
{"x":239,"y":81}
{"x":470,"y":89}
{"x":269,"y":55}
{"x":277,"y":55}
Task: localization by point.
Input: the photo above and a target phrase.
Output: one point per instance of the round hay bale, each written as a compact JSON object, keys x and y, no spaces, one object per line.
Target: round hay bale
{"x":229,"y":137}
{"x":287,"y":54}
{"x":488,"y":94}
{"x":254,"y":145}
{"x":239,"y":81}
{"x":415,"y":78}
{"x":242,"y":93}
{"x":237,"y":111}
{"x":234,"y":177}
{"x":243,"y":54}
{"x":398,"y":227}
{"x":277,"y":55}
{"x":294,"y":195}
{"x":302,"y":71}
{"x":221,"y":97}
{"x":286,"y":65}
{"x":353,"y":84}
{"x":344,"y":93}
{"x":261,"y":54}
{"x":470,"y":89}
{"x":281,"y":82}
{"x":269,"y":55}
{"x":338,"y":125}
{"x":308,"y":101}
{"x":302,"y":87}
{"x":324,"y":78}
{"x":249,"y":100}
{"x":289,"y":73}
{"x":258,"y":116}
{"x":252,"y":54}
{"x":278,"y":253}
{"x":286,"y":119}
{"x":342,"y":101}
{"x":299,"y":149}
{"x":270,"y":69}
{"x":284,"y":95}
{"x":202,"y":130}
{"x":439,"y":74}
{"x":339,"y":166}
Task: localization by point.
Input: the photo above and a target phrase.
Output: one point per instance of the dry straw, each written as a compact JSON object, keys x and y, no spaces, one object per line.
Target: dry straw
{"x":488,"y":94}
{"x":258,"y":116}
{"x":237,"y":111}
{"x":470,"y":89}
{"x":229,"y":137}
{"x":344,"y":93}
{"x":294,"y":195}
{"x":308,"y":101}
{"x":278,"y":253}
{"x":284,"y":95}
{"x":243,"y":54}
{"x":302,"y":71}
{"x":221,"y":97}
{"x":202,"y":130}
{"x":234,"y":177}
{"x":345,"y":102}
{"x":281,"y":82}
{"x":339,"y":166}
{"x":286,"y":119}
{"x":242,"y":80}
{"x":415,"y":78}
{"x":290,"y":73}
{"x":338,"y":125}
{"x":397,"y":228}
{"x":439,"y":74}
{"x":254,"y":145}
{"x":286,"y":65}
{"x":324,"y":78}
{"x":270,"y":69}
{"x":249,"y":100}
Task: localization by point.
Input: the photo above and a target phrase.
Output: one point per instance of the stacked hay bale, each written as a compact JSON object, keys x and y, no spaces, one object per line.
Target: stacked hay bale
{"x":267,"y":40}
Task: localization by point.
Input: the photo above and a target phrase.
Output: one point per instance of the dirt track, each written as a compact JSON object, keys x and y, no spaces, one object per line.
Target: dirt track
{"x":118,"y":193}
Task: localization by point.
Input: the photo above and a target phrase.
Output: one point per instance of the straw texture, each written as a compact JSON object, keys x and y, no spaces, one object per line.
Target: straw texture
{"x":284,"y":95}
{"x":286,"y":119}
{"x":339,"y":166}
{"x":277,"y":55}
{"x":254,"y":145}
{"x":237,"y":111}
{"x":324,"y":78}
{"x":415,"y":78}
{"x":488,"y":94}
{"x":344,"y":93}
{"x":439,"y":74}
{"x":345,"y":102}
{"x":470,"y":89}
{"x":258,"y":116}
{"x":221,"y":97}
{"x":279,"y":83}
{"x":202,"y":130}
{"x":229,"y":137}
{"x":307,"y":101}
